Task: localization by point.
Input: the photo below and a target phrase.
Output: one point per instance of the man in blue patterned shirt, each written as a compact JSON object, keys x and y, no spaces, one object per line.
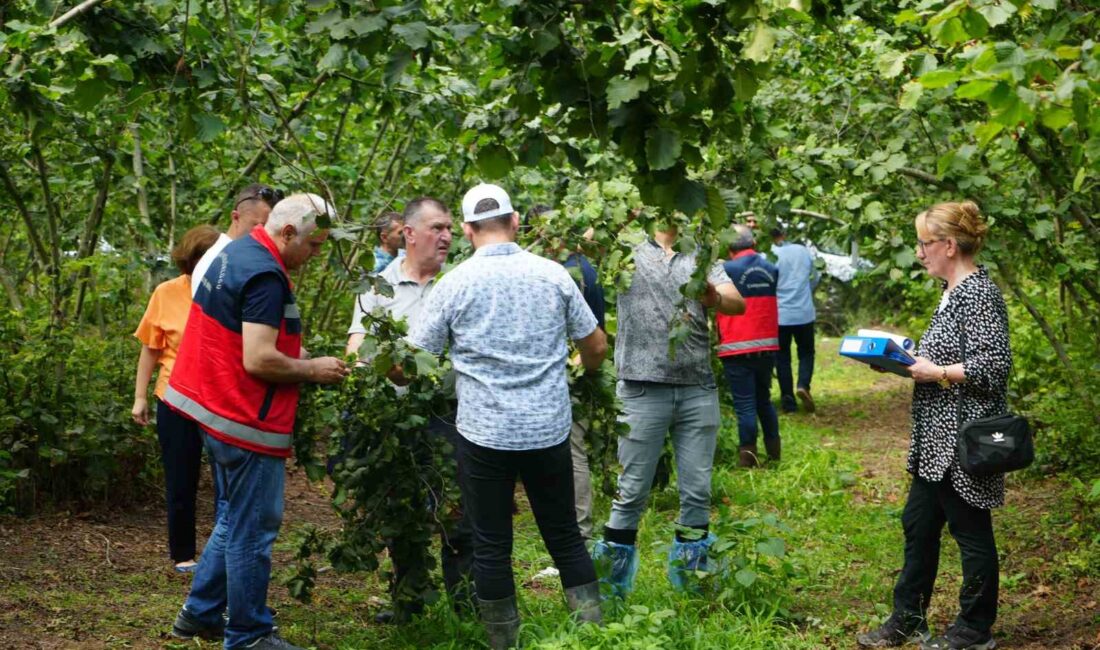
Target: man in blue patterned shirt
{"x":507,"y":316}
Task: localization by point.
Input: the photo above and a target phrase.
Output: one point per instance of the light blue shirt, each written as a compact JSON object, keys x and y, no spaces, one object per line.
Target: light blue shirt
{"x":506,"y":314}
{"x":797,"y":279}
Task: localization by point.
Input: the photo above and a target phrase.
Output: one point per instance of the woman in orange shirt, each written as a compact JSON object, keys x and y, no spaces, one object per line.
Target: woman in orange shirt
{"x":160,"y":332}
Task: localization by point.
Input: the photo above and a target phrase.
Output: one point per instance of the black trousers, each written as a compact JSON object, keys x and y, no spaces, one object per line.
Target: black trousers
{"x":803,"y":336}
{"x":929,"y":506}
{"x":181,"y":454}
{"x":456,"y":544}
{"x":488,"y":480}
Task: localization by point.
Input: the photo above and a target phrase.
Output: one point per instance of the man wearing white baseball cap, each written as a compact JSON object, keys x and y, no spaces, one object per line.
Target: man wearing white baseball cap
{"x":507,"y":315}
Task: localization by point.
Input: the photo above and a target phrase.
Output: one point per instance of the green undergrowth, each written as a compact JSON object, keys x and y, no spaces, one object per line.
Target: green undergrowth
{"x":807,"y":554}
{"x":802,"y":564}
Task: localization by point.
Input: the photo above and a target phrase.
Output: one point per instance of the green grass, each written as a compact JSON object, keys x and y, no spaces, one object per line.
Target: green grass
{"x":841,"y":555}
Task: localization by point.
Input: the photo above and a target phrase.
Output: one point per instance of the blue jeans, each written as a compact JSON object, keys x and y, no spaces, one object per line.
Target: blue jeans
{"x":803,"y":336}
{"x":750,"y":380}
{"x":235,"y":566}
{"x":653,"y":410}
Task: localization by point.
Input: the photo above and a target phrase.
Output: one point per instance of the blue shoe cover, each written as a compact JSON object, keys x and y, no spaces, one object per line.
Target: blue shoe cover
{"x":616,"y":565}
{"x":684,"y":558}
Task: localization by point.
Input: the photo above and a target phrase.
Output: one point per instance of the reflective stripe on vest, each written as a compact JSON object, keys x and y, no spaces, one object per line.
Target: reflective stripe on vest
{"x":203,"y":416}
{"x":747,"y":345}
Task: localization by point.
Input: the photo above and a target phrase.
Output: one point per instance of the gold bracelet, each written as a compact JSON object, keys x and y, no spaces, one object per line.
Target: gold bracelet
{"x":943,"y":381}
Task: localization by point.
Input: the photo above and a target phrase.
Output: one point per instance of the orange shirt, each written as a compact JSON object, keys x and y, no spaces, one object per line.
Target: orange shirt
{"x":161,"y":327}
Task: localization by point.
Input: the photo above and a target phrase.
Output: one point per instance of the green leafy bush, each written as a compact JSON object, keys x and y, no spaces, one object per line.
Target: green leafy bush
{"x":65,"y":428}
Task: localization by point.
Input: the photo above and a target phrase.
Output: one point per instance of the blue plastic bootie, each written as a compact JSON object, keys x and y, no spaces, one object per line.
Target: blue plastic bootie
{"x":684,"y":558}
{"x":616,"y":565}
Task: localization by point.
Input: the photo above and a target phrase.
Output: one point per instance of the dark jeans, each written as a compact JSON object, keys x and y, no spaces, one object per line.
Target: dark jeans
{"x":456,"y":547}
{"x":929,"y":506}
{"x":181,"y":455}
{"x":750,"y":379}
{"x":488,"y":480}
{"x":803,"y":336}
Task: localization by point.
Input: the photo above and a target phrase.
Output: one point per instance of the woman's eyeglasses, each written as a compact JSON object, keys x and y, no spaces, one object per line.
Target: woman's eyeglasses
{"x":268,"y":195}
{"x":922,"y":245}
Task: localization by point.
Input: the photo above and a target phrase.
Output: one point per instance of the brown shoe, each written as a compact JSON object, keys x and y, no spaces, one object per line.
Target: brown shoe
{"x":748,"y":456}
{"x":806,"y":399}
{"x":773,"y":446}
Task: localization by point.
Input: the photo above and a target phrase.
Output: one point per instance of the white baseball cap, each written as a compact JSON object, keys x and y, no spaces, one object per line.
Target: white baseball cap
{"x":479,"y":193}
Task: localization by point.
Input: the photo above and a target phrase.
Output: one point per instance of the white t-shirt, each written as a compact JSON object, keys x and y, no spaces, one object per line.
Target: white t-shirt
{"x":206,"y":260}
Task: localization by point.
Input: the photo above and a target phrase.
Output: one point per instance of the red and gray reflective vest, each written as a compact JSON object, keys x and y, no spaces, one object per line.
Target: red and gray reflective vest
{"x":209,"y":383}
{"x":756,"y":330}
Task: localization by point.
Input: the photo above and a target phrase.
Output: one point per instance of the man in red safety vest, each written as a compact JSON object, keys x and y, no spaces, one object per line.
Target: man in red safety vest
{"x":748,"y":343}
{"x":237,"y":375}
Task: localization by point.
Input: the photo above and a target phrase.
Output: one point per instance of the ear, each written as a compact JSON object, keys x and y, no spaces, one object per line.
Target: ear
{"x":468,"y":231}
{"x":515,"y":221}
{"x":235,"y":216}
{"x":288,"y":232}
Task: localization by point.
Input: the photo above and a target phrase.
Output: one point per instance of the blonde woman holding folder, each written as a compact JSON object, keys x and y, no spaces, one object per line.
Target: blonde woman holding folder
{"x":971,"y":313}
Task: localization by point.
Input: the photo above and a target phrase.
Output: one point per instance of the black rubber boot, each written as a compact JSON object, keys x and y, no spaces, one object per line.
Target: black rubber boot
{"x":774,"y":447}
{"x":585,"y":601}
{"x":501,"y":620}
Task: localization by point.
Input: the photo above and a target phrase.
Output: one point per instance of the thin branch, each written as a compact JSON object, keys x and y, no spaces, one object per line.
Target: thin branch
{"x":32,"y":233}
{"x":927,"y":178}
{"x":817,"y":215}
{"x":340,"y":129}
{"x":1009,"y":278}
{"x":73,"y":13}
{"x":258,"y":158}
{"x":52,"y":215}
{"x":370,"y":159}
{"x":91,"y":232}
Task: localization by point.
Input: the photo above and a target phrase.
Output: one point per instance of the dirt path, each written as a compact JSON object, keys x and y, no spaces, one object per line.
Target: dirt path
{"x":103,"y":578}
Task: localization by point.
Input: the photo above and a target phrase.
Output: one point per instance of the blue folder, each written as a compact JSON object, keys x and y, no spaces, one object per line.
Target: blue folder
{"x":881,"y":352}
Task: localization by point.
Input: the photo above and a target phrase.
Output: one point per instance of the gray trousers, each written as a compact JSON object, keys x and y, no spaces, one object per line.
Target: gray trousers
{"x":653,"y":410}
{"x":582,"y":480}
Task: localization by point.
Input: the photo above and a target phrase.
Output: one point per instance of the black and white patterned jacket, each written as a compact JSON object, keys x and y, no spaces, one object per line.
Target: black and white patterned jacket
{"x":977,"y":305}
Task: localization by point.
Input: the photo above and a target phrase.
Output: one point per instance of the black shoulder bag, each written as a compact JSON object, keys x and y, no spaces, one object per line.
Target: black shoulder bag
{"x":995,"y":444}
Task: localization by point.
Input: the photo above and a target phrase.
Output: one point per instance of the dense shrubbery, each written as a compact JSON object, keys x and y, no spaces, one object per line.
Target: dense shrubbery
{"x":65,"y":427}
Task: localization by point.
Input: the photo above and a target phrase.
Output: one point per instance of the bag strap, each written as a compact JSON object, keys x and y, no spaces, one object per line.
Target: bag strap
{"x":962,"y":346}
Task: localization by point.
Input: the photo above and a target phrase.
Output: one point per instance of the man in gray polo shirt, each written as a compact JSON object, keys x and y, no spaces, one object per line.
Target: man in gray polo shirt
{"x":427,"y":234}
{"x":507,"y":316}
{"x":664,"y":394}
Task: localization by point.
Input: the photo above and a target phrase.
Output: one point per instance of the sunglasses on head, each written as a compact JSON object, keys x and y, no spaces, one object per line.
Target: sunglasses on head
{"x":268,"y":195}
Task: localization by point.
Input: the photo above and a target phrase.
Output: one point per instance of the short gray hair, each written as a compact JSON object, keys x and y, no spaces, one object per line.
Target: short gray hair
{"x":744,"y":239}
{"x":300,"y":211}
{"x":414,"y":209}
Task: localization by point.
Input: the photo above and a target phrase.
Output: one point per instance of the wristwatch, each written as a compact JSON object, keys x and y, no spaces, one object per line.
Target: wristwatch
{"x":942,"y":381}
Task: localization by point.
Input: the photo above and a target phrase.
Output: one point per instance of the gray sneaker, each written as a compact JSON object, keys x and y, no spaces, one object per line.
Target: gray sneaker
{"x":895,"y":632}
{"x":272,"y":642}
{"x":186,"y":627}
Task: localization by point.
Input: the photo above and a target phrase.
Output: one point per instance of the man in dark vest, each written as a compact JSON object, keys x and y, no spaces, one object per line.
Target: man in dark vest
{"x":748,"y":343}
{"x":237,"y":375}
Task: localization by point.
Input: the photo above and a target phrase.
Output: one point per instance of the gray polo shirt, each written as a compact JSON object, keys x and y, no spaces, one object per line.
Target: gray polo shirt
{"x":645,"y":316}
{"x":406,"y":303}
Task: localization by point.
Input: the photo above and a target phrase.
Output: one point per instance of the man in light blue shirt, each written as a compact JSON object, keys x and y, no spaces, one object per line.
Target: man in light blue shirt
{"x":507,"y":316}
{"x":797,"y":280}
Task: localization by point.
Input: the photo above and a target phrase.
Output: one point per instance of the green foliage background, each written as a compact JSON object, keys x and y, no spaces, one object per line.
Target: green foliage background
{"x":128,"y":122}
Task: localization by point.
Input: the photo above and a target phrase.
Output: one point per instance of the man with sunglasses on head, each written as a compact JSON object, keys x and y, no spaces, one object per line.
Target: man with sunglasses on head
{"x":250,"y":209}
